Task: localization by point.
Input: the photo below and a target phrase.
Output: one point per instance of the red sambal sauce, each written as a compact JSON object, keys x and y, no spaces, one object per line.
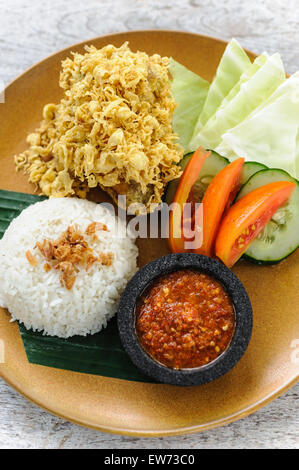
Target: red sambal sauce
{"x":185,"y":319}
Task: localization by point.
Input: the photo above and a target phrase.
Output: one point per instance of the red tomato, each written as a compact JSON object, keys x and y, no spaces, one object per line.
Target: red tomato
{"x":176,"y":239}
{"x":219,"y":196}
{"x":247,"y":217}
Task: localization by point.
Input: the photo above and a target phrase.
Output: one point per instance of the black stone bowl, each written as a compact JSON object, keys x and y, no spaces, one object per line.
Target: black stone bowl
{"x":199,"y":375}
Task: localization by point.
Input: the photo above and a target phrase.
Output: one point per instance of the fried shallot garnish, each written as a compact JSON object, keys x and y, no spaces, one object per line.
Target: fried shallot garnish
{"x":31,"y":258}
{"x":95,"y":226}
{"x":47,"y":267}
{"x":46,"y":249}
{"x":69,"y":251}
{"x":90,"y":261}
{"x":106,"y":258}
{"x":68,"y":274}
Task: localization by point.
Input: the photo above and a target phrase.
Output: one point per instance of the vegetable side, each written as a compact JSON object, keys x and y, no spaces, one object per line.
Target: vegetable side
{"x":251,"y":110}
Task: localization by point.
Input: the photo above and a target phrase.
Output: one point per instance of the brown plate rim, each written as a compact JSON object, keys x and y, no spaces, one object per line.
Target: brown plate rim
{"x":152,"y":433}
{"x":174,"y":432}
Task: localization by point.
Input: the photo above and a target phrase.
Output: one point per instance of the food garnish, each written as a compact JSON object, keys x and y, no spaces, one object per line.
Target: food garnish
{"x":95,"y":226}
{"x":176,"y":217}
{"x":218,"y":197}
{"x":113,"y":129}
{"x":31,"y":258}
{"x":250,"y":169}
{"x":185,"y":319}
{"x":70,"y":251}
{"x":280,"y":237}
{"x":210,"y":168}
{"x":247,"y":217}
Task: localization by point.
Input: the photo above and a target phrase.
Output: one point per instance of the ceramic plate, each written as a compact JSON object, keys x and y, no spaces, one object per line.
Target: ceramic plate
{"x":265,"y":371}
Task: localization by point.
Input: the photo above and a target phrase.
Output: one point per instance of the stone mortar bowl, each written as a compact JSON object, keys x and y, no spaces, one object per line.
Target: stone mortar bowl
{"x":143,"y":279}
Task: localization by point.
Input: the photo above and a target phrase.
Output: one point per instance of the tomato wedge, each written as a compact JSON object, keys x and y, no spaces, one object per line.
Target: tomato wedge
{"x":247,"y":217}
{"x":219,"y":196}
{"x":176,"y":239}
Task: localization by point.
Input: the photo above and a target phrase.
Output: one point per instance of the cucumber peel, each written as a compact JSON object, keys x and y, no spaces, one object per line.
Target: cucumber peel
{"x":211,"y":167}
{"x":280,"y":237}
{"x":249,"y":169}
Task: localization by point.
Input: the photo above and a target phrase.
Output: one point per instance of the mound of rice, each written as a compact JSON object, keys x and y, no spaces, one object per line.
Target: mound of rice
{"x":37,"y":298}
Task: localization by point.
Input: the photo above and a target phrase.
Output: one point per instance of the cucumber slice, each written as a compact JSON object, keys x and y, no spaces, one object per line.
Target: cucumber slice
{"x":249,"y":169}
{"x":210,"y":168}
{"x":280,"y":237}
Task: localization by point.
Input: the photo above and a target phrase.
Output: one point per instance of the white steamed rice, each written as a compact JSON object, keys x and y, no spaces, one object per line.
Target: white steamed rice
{"x":36,"y":298}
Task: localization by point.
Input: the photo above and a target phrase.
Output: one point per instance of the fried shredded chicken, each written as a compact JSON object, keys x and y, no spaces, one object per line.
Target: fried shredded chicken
{"x":113,"y":129}
{"x":70,"y":251}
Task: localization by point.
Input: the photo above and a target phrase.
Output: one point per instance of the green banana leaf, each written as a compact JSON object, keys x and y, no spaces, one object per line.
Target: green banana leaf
{"x":99,"y":354}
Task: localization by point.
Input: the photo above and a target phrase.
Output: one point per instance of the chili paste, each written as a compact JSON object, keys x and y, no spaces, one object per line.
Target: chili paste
{"x":185,"y":319}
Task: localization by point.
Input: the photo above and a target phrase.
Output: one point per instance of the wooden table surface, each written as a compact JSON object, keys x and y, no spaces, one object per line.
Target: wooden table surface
{"x":31,"y":30}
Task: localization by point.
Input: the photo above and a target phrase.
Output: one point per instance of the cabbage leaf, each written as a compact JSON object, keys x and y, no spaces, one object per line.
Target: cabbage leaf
{"x":246,"y":75}
{"x":233,"y":64}
{"x":189,"y":91}
{"x":252,"y":93}
{"x":270,"y":135}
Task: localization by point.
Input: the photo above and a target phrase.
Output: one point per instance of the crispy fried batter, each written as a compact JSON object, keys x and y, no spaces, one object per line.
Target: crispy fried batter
{"x":112,"y":129}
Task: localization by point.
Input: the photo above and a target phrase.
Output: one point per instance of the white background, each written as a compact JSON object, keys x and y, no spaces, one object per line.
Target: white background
{"x":32,"y":29}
